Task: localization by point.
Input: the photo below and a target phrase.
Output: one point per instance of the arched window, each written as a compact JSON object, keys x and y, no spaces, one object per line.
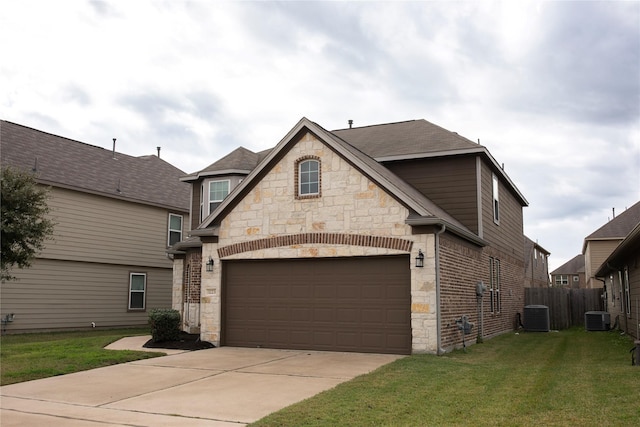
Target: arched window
{"x":308,"y":175}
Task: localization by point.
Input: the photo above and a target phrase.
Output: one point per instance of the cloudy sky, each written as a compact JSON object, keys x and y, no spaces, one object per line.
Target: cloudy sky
{"x":552,"y":89}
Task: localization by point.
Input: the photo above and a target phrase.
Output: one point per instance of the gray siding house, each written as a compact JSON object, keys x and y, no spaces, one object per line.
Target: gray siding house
{"x":368,"y":239}
{"x":115,"y":217}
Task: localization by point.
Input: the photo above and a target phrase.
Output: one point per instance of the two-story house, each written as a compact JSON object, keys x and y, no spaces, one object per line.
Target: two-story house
{"x":602,"y":242}
{"x":373,"y":239}
{"x":570,"y":274}
{"x":536,"y":265}
{"x":115,"y":216}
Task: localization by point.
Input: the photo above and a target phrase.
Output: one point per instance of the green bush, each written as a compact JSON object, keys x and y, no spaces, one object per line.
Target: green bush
{"x":165,"y":324}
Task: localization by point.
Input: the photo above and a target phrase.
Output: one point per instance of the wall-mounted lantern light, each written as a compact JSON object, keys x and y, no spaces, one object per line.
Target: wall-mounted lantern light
{"x":420,"y":259}
{"x":209,"y":264}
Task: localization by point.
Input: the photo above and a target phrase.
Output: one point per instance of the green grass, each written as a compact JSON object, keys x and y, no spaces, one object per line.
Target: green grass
{"x":567,"y":378}
{"x":28,"y":357}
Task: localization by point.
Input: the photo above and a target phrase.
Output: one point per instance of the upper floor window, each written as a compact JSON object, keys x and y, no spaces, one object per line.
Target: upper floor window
{"x":218,"y":190}
{"x":562,"y":280}
{"x":308,"y":178}
{"x":175,"y":229}
{"x":496,"y":200}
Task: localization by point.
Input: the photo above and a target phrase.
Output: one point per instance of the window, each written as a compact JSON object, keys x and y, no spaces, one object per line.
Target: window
{"x":494,"y":285}
{"x":496,"y":201}
{"x":218,"y":190}
{"x":576,"y":278}
{"x":627,"y":297}
{"x":562,"y":279}
{"x":175,"y":229}
{"x":309,"y":178}
{"x":137,"y":290}
{"x":202,"y":202}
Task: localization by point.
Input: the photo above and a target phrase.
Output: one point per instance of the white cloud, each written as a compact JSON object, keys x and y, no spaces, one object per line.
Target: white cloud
{"x":550,"y":88}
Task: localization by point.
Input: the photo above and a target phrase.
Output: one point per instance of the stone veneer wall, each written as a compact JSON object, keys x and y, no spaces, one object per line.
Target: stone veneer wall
{"x":351,"y":204}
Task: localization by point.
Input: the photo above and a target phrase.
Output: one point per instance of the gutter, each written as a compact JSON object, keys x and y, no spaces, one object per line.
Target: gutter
{"x":457,"y":230}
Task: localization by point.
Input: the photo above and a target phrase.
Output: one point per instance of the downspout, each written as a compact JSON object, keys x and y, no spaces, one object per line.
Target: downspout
{"x":440,"y":350}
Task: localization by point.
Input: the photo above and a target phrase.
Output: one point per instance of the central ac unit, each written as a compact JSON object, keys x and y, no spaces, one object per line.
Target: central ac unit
{"x":536,"y":318}
{"x":597,"y":321}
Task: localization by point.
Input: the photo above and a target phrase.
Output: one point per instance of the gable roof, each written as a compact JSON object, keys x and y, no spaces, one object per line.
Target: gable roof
{"x":239,"y":161}
{"x":574,"y":266}
{"x":65,"y":163}
{"x":424,"y":211}
{"x":415,"y":139}
{"x":617,"y":228}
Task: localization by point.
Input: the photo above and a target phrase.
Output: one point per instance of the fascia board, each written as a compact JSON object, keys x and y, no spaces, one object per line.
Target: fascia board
{"x":417,"y":221}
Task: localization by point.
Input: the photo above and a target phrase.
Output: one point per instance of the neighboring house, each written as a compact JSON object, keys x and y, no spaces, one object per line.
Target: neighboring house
{"x":536,"y":265}
{"x":601,"y":243}
{"x":621,"y":273}
{"x":570,"y":274}
{"x":368,"y":239}
{"x":115,"y":217}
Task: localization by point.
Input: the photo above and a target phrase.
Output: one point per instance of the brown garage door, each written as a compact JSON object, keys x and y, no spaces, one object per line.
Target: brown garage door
{"x":335,"y":304}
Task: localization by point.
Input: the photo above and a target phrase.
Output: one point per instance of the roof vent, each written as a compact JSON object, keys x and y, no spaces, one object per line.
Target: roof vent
{"x":350,"y":123}
{"x":158,"y":151}
{"x":114,"y":148}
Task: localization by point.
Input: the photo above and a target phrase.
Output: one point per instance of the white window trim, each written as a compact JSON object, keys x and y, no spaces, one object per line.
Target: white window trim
{"x":300,"y":193}
{"x":208,"y":194}
{"x":144,"y":292}
{"x":169,"y":229}
{"x":495,"y":191}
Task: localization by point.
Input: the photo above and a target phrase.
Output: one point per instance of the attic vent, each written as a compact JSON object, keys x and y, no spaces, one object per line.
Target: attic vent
{"x":536,"y":318}
{"x":597,"y":321}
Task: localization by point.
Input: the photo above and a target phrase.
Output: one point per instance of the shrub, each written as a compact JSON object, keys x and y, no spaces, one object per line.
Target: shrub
{"x":165,"y":324}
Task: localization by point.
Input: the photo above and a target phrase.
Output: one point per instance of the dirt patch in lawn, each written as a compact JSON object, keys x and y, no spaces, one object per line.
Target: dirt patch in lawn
{"x":184,"y":342}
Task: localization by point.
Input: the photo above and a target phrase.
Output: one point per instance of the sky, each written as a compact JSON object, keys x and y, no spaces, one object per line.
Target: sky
{"x":551,"y":88}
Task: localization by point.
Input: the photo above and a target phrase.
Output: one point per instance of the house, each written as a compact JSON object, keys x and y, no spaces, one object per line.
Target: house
{"x":370,"y":239}
{"x":570,"y":274}
{"x":621,"y":274}
{"x":115,"y":216}
{"x":601,"y":243}
{"x":536,"y":265}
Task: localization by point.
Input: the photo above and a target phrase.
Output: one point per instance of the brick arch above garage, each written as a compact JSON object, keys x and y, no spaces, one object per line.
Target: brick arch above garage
{"x":383,"y":242}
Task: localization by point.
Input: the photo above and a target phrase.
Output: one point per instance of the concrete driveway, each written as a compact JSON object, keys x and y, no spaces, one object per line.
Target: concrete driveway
{"x":217,"y":387}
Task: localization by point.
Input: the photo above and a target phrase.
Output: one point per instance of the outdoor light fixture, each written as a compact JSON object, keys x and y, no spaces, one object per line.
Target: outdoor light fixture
{"x":420,"y":259}
{"x":210,"y":264}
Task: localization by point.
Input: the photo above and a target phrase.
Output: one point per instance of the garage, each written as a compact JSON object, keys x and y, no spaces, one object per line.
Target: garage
{"x":359,"y":304}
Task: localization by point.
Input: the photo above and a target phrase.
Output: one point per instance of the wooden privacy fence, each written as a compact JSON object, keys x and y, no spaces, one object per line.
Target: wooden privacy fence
{"x":566,"y":306}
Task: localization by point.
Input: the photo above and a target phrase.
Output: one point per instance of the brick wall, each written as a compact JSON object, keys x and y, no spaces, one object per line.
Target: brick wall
{"x":461,"y":267}
{"x":192,"y":276}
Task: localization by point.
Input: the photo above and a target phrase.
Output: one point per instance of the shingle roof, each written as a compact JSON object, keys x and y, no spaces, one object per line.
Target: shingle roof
{"x":404,"y":138}
{"x":573,"y":266}
{"x":618,"y":227}
{"x":63,"y":162}
{"x":239,"y":160}
{"x":415,"y":139}
{"x":425,"y":211}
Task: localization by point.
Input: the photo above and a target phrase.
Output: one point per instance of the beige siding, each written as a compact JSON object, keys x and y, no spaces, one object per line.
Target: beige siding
{"x":596,"y":253}
{"x":55,"y":294}
{"x":98,"y":229}
{"x":507,"y":236}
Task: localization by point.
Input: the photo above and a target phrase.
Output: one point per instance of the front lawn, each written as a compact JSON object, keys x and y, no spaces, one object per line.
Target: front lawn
{"x":27,"y":357}
{"x":566,"y":378}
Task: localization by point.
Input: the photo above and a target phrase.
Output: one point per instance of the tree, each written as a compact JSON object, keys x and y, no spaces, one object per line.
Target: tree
{"x":23,"y":217}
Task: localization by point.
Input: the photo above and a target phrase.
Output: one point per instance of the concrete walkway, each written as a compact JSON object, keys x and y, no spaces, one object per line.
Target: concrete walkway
{"x":216,"y":387}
